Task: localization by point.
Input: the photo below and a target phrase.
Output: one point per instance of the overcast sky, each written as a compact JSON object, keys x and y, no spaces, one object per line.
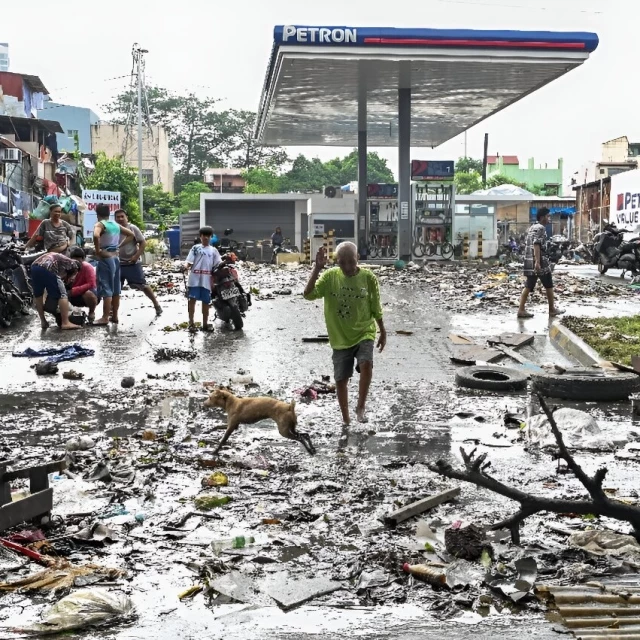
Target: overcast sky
{"x":221,"y":49}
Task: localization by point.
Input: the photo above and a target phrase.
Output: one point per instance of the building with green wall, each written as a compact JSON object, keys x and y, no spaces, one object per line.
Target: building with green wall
{"x":509,"y":166}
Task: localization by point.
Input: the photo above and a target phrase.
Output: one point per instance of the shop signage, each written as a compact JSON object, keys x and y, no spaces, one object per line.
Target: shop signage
{"x":404,"y":210}
{"x":92,"y":199}
{"x":625,"y":200}
{"x":318,"y":229}
{"x":318,"y":35}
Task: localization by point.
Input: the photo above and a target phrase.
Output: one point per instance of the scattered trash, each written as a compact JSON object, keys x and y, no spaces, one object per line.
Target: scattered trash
{"x":128,"y":382}
{"x":217,"y":479}
{"x":290,"y":592}
{"x":207,"y":503}
{"x":606,"y":543}
{"x":191,"y":592}
{"x":402,"y":332}
{"x":435,"y":576}
{"x":97,"y":534}
{"x":57,"y":354}
{"x":80,"y":443}
{"x":465,"y":574}
{"x":517,"y":586}
{"x":579,"y":430}
{"x":283,"y":292}
{"x":465,"y":541}
{"x":416,"y":508}
{"x":82,"y":609}
{"x":46,"y":368}
{"x":73,"y":375}
{"x":165,"y":354}
{"x":241,"y":588}
{"x":238,"y":542}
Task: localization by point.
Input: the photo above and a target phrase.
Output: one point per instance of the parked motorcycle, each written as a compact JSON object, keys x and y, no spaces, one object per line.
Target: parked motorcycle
{"x":16,"y":293}
{"x":229,"y":245}
{"x":613,"y":252}
{"x":229,"y":298}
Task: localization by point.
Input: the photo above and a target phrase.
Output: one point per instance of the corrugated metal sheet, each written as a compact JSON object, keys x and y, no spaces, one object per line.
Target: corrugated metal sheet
{"x":189,"y":227}
{"x":594,"y":611}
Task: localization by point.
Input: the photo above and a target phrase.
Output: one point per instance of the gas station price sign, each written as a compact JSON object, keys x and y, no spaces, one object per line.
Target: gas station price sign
{"x":432,"y":170}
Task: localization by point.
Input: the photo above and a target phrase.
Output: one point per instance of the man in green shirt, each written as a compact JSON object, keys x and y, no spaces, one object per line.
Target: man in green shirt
{"x":351,"y":310}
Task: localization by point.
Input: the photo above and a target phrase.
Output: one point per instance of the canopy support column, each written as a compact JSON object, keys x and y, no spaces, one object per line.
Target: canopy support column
{"x":404,"y":173}
{"x":361,"y":222}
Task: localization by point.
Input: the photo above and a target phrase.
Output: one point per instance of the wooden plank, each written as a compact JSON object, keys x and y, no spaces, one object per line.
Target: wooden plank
{"x":459,"y":339}
{"x":26,"y":509}
{"x":38,"y":480}
{"x":416,"y":508}
{"x":476,"y":353}
{"x":514,"y":355}
{"x":48,"y":467}
{"x":515,"y":340}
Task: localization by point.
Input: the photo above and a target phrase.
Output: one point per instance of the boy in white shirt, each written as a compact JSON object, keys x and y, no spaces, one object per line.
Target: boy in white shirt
{"x":202,"y":259}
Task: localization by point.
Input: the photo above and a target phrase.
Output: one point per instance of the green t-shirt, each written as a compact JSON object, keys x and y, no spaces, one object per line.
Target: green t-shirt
{"x":351,"y":306}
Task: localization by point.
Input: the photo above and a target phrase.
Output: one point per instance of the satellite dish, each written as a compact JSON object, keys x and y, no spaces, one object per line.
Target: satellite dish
{"x":330,"y":192}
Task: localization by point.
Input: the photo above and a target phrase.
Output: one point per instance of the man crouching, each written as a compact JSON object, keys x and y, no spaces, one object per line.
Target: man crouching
{"x":351,"y":310}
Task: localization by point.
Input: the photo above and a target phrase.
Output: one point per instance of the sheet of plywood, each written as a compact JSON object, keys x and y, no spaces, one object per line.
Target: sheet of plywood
{"x":513,"y":340}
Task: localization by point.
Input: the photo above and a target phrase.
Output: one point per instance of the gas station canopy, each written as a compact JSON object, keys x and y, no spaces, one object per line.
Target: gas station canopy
{"x":318,"y":77}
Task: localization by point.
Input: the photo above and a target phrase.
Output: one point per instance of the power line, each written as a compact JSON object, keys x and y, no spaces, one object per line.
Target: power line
{"x":105,"y":80}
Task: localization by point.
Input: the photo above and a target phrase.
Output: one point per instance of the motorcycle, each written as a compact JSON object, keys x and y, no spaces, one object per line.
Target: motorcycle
{"x":229,"y":245}
{"x":229,"y":298}
{"x":558,"y":247}
{"x":16,"y":293}
{"x":613,"y":252}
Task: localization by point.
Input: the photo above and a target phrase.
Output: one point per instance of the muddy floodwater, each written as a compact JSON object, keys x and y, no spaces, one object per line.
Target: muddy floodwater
{"x":302,"y":517}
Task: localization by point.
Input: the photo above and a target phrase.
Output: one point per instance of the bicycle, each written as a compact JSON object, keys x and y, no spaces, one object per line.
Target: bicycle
{"x":446,"y":250}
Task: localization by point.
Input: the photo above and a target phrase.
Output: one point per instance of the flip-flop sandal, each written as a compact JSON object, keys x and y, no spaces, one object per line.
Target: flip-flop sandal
{"x":207,"y":328}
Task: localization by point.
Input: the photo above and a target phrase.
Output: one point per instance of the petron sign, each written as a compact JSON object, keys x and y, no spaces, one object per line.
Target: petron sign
{"x":391,"y":37}
{"x":625,"y":200}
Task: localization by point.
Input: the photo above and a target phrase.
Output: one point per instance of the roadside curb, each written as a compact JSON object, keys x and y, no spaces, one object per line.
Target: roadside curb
{"x":574,"y":347}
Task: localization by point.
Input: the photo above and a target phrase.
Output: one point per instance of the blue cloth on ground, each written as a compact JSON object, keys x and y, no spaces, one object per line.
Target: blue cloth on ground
{"x":57,"y":354}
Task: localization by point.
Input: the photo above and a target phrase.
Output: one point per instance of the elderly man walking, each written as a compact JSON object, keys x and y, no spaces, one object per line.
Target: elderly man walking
{"x":351,"y":310}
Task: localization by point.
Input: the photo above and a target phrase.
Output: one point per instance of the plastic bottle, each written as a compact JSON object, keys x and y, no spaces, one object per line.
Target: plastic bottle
{"x":433,"y":575}
{"x":238,"y":542}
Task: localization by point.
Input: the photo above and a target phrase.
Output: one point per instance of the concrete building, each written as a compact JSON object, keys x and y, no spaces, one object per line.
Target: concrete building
{"x":618,"y":155}
{"x":21,"y":95}
{"x":225,"y":180}
{"x":75,"y":121}
{"x":4,"y":56}
{"x":548,"y":177}
{"x":116,"y":140}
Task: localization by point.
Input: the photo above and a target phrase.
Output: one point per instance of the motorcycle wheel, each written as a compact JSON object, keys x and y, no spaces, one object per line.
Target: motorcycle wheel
{"x":236,"y":317}
{"x":602,"y":268}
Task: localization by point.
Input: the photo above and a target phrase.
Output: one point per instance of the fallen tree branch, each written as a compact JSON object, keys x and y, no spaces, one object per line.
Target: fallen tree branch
{"x":475,"y":472}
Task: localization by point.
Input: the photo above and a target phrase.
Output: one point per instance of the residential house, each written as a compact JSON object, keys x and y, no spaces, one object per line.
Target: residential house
{"x":225,"y":180}
{"x":618,"y":155}
{"x":75,"y":122}
{"x":593,"y":201}
{"x":21,"y":95}
{"x":118,"y":140}
{"x":548,"y":177}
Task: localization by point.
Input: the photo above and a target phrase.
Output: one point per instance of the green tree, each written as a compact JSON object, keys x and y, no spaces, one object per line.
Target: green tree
{"x":467,"y":182}
{"x":498,"y":180}
{"x":469,"y":165}
{"x":189,"y":197}
{"x":262,"y":181}
{"x":159,"y":206}
{"x":112,"y":174}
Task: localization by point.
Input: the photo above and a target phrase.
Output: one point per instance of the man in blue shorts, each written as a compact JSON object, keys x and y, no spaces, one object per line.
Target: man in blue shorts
{"x":130,"y":263}
{"x":202,"y":259}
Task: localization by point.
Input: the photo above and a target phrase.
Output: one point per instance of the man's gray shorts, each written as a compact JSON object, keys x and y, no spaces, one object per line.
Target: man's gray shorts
{"x":343,"y":359}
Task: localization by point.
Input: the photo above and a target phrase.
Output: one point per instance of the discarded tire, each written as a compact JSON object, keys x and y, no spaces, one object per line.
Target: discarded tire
{"x":586,"y":388}
{"x":489,"y":378}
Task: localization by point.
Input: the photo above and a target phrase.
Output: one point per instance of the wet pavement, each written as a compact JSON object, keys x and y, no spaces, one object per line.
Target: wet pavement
{"x":329,"y":503}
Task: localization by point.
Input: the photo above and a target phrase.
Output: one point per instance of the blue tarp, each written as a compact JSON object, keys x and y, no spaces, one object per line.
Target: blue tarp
{"x":57,"y":354}
{"x":562,"y":211}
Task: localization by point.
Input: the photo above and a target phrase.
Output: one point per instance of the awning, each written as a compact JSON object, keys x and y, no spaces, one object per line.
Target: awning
{"x":316,"y":76}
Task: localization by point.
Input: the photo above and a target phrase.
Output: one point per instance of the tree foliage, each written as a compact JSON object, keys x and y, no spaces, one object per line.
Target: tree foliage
{"x":200,"y":136}
{"x":311,"y":174}
{"x":113,"y":174}
{"x":159,"y":206}
{"x":469,"y":165}
{"x":467,"y":182}
{"x":189,"y":197}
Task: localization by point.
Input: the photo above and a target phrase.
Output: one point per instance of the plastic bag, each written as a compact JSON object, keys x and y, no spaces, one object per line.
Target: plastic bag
{"x":41,"y":212}
{"x":83,"y":609}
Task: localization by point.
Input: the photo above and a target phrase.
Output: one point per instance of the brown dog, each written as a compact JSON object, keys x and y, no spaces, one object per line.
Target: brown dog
{"x":252,"y":410}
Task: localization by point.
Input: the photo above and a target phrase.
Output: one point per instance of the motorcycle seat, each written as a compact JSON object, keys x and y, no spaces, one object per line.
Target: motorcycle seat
{"x":30,"y":258}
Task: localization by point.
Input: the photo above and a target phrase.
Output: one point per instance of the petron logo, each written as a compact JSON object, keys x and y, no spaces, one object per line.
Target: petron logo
{"x":322,"y":35}
{"x":628,"y":205}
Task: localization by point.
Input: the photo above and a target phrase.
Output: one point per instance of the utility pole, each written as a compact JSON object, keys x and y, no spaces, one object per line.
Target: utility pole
{"x":465,"y":145}
{"x":138,"y":56}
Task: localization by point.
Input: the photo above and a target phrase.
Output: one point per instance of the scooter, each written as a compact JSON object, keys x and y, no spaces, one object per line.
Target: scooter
{"x":613,"y":252}
{"x":16,"y":293}
{"x":229,"y":298}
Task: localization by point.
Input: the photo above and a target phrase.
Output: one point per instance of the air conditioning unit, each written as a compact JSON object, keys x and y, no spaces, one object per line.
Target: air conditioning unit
{"x":10,"y":155}
{"x":333,"y":192}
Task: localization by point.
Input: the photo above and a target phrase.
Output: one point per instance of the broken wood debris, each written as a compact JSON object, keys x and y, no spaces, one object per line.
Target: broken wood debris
{"x":416,"y":508}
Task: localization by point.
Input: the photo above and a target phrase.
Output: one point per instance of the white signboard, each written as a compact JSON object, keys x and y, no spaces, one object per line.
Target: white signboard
{"x":92,"y":199}
{"x":404,"y":210}
{"x":625,"y":201}
{"x":318,"y":229}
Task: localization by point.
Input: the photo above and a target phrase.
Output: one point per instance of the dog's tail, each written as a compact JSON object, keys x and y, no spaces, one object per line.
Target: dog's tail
{"x":292,"y":406}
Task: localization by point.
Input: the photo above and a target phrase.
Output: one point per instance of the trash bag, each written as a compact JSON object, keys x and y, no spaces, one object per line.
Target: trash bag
{"x":83,"y":609}
{"x":607,"y":543}
{"x":41,"y":212}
